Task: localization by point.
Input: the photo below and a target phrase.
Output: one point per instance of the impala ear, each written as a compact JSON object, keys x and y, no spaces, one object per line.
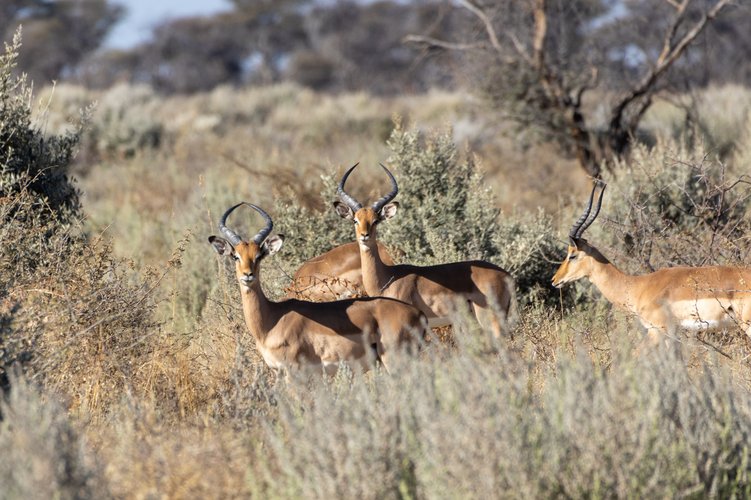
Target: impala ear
{"x":273,"y":244}
{"x":221,"y":246}
{"x":343,"y":210}
{"x":389,"y":210}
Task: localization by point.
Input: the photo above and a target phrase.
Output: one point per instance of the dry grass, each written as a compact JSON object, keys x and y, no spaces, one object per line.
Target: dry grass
{"x":150,"y":373}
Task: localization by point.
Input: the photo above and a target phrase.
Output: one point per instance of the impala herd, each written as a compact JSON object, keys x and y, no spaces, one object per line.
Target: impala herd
{"x":404,"y":301}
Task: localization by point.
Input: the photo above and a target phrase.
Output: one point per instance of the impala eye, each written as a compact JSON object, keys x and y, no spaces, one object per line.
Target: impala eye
{"x":573,"y":256}
{"x":235,"y":257}
{"x":356,"y":222}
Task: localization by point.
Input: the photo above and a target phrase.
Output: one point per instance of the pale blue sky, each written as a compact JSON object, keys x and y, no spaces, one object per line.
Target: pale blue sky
{"x":143,"y":15}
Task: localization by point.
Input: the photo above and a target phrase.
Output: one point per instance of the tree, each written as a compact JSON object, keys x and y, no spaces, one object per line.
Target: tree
{"x":274,"y":30}
{"x":546,"y":54}
{"x":57,"y":34}
{"x":356,"y":46}
{"x":193,"y":54}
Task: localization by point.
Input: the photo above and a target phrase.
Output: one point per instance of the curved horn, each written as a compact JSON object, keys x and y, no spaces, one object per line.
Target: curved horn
{"x":577,"y":225}
{"x":591,"y":219}
{"x":379,"y":203}
{"x":261,"y":236}
{"x":231,"y":236}
{"x":347,"y":199}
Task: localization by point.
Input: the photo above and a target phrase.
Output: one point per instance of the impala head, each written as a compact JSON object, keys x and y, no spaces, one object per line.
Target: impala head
{"x":581,"y":255}
{"x":366,"y":218}
{"x":246,"y":254}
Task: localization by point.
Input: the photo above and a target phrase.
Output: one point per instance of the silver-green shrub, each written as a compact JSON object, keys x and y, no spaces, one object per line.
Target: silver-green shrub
{"x":39,"y":205}
{"x":64,"y":299}
{"x":446,"y":214}
{"x":126,"y":121}
{"x":43,"y":455}
{"x":469,"y":425}
{"x":30,"y":161}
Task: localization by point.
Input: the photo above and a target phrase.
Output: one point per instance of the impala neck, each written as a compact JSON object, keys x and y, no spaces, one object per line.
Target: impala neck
{"x":615,"y":285}
{"x":375,"y":275}
{"x":257,"y":310}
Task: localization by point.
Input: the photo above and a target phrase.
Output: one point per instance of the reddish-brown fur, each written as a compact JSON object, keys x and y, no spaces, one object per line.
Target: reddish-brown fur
{"x":435,"y":290}
{"x":295,"y":332}
{"x":333,"y":275}
{"x":678,"y":297}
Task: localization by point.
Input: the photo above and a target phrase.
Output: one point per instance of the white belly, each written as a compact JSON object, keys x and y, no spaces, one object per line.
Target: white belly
{"x":704,"y":314}
{"x":701,"y":325}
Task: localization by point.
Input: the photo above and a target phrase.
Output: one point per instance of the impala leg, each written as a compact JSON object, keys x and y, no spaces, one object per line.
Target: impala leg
{"x":650,"y":341}
{"x":489,"y":319}
{"x":745,"y":318}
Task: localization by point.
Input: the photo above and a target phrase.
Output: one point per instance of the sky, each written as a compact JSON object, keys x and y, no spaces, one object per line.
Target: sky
{"x":143,"y":15}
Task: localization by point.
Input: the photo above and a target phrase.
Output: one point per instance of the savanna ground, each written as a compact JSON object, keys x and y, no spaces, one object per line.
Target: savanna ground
{"x":128,"y":371}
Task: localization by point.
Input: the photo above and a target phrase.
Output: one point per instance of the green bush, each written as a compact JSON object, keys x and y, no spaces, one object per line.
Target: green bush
{"x":29,"y":160}
{"x":446,"y":214}
{"x":39,"y":205}
{"x":126,"y":121}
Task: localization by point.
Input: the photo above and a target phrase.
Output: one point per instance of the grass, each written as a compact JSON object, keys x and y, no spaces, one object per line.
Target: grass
{"x":143,"y":381}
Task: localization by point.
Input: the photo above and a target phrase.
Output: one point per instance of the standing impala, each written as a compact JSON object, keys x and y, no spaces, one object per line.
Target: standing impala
{"x":295,"y":332}
{"x":435,"y":290}
{"x":693,"y":298}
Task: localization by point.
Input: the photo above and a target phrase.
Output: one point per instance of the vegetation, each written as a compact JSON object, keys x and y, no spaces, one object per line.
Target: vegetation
{"x":129,"y":372}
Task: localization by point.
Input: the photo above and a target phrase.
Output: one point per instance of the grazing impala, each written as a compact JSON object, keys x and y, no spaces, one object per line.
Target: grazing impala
{"x":435,"y":290}
{"x":333,"y":275}
{"x":693,"y":298}
{"x":295,"y":332}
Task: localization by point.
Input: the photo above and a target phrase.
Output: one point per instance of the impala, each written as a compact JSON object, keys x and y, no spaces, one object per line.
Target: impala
{"x":295,"y":332}
{"x":692,"y":298}
{"x":435,"y":290}
{"x":333,"y":275}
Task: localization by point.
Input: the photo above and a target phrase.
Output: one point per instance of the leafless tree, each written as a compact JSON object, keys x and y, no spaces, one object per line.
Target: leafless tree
{"x":528,"y":42}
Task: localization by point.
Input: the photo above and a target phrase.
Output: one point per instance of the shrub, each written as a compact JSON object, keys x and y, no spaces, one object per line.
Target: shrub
{"x":39,"y":206}
{"x":126,"y":121}
{"x":469,"y":425}
{"x":450,"y":214}
{"x":29,"y":160}
{"x":675,"y":205}
{"x":72,"y":314}
{"x":43,"y":455}
{"x":446,"y":214}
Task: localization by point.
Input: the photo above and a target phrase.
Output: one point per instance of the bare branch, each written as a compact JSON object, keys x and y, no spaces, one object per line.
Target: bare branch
{"x":589,"y":85}
{"x":519,"y":46}
{"x":667,"y":58}
{"x":441,"y":44}
{"x":541,"y":30}
{"x":667,"y":43}
{"x":482,"y":16}
{"x":635,"y":118}
{"x":490,"y":31}
{"x":674,"y":3}
{"x":664,"y":62}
